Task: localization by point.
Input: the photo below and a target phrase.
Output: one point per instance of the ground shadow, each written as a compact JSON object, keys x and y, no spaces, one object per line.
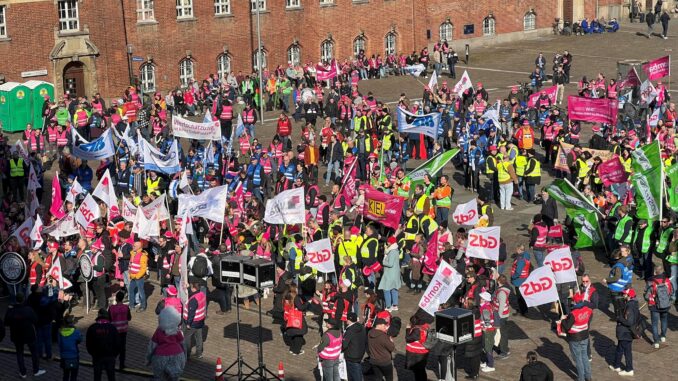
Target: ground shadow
{"x":554,"y":352}
{"x":248,"y":332}
{"x":603,"y":345}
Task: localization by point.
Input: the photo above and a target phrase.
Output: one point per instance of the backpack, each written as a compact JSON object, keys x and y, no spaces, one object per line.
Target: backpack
{"x":662,"y":297}
{"x":199,"y":268}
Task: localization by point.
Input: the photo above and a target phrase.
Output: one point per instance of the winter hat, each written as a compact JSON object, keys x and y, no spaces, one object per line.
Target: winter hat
{"x":391,"y":240}
{"x":171,"y":290}
{"x":485,"y":296}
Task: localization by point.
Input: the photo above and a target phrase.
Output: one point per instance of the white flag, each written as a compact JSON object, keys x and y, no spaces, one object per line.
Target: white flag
{"x":647,"y":92}
{"x":146,"y":227}
{"x":286,"y":208}
{"x":105,"y":191}
{"x":158,"y":205}
{"x":466,"y":214}
{"x":23,"y":233}
{"x":32,"y":179}
{"x":433,"y":81}
{"x":63,"y":228}
{"x":210,"y":204}
{"x":19,"y":148}
{"x":154,"y":160}
{"x":55,"y":272}
{"x":36,"y":235}
{"x":463,"y":84}
{"x":540,"y":287}
{"x":654,"y":118}
{"x":562,"y":265}
{"x":87,"y":212}
{"x":183,"y":182}
{"x":319,"y":255}
{"x":75,"y":190}
{"x":129,"y":211}
{"x":484,"y":243}
{"x":442,"y":285}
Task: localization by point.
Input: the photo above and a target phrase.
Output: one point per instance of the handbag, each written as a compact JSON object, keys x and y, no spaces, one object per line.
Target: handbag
{"x":295,"y":319}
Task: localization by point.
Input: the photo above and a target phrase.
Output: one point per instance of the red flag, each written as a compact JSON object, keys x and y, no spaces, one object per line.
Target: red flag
{"x":349,"y":190}
{"x":612,"y":172}
{"x":382,"y":207}
{"x":631,"y":79}
{"x":57,"y":201}
{"x":431,"y":256}
{"x":659,"y":68}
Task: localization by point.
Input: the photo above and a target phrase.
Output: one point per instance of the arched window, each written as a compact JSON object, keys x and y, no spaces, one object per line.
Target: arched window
{"x":186,"y":71}
{"x":147,"y":77}
{"x":390,"y":43}
{"x":358,"y":45}
{"x":446,"y":31}
{"x":530,"y":21}
{"x":327,"y":51}
{"x":294,"y":54}
{"x":223,"y":66}
{"x":258,"y":59}
{"x":489,"y":26}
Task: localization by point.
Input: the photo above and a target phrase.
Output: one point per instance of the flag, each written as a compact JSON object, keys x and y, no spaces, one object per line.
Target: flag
{"x":154,"y":160}
{"x":654,"y":118}
{"x":87,"y":212}
{"x":433,"y":82}
{"x":463,"y":84}
{"x":647,"y":188}
{"x":631,"y":79}
{"x":612,"y":172}
{"x":551,"y":92}
{"x":19,"y":148}
{"x":467,"y":213}
{"x":36,"y":235}
{"x":286,"y":208}
{"x":443,"y":284}
{"x":32,"y":195}
{"x":348,"y":187}
{"x":647,"y":92}
{"x":562,"y":265}
{"x":23,"y":233}
{"x":208,"y":117}
{"x":210,"y":204}
{"x":540,"y":287}
{"x":414,"y":70}
{"x":646,"y":157}
{"x":57,"y":208}
{"x":105,"y":191}
{"x":98,"y":149}
{"x":158,"y":205}
{"x":56,"y":273}
{"x":492,"y":114}
{"x":129,"y":211}
{"x":484,"y":243}
{"x":323,"y":73}
{"x":672,"y":174}
{"x":319,"y":255}
{"x":567,"y":195}
{"x":62,"y":228}
{"x":146,"y":227}
{"x":184,"y":185}
{"x":658,"y":68}
{"x":587,"y":229}
{"x":384,"y":208}
{"x":431,"y":167}
{"x":75,"y":190}
{"x":428,"y":124}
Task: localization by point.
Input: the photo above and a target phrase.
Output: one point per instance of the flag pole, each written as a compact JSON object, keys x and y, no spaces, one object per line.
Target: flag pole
{"x":584,"y":197}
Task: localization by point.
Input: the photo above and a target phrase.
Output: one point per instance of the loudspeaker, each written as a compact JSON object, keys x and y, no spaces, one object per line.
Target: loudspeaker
{"x":231,"y":269}
{"x":258,"y":273}
{"x":454,"y":325}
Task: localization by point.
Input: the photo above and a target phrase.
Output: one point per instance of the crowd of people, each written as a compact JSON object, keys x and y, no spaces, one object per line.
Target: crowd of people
{"x":356,"y":308}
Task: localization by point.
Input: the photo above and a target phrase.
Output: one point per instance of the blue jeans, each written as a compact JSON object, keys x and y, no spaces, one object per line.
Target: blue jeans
{"x":333,"y":166}
{"x":529,"y":192}
{"x":624,"y":349}
{"x":44,"y":340}
{"x":354,"y":371}
{"x":250,"y":129}
{"x":137,"y":285}
{"x":658,"y":317}
{"x":578,"y":351}
{"x":442,"y":214}
{"x":391,"y":297}
{"x":538,"y":256}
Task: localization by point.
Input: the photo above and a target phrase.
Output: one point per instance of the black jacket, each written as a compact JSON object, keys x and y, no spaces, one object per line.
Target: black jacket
{"x":354,"y":343}
{"x":549,"y":209}
{"x":536,"y":371}
{"x":102,"y":339}
{"x":627,"y":321}
{"x":335,"y":152}
{"x":21,"y":320}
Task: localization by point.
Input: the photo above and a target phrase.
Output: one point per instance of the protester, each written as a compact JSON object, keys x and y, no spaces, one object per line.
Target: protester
{"x":166,"y":352}
{"x":380,"y":346}
{"x":22,"y":322}
{"x":659,"y":295}
{"x":120,"y":318}
{"x":535,"y":370}
{"x":626,"y":332}
{"x":329,"y":350}
{"x":69,"y":339}
{"x":102,"y":345}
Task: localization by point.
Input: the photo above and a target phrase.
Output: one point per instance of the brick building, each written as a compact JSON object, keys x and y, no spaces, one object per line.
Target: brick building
{"x":90,"y":46}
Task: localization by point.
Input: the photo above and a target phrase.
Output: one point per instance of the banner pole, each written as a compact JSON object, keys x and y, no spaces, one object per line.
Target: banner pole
{"x":87,"y":297}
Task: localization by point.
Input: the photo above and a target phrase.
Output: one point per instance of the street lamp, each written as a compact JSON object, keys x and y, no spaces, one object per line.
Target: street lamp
{"x":130,"y":50}
{"x":260,"y":56}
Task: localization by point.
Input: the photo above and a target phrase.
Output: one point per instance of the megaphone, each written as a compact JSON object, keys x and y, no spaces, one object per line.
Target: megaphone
{"x":374,"y":268}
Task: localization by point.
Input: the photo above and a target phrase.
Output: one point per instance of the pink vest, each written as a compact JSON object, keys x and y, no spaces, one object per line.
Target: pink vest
{"x":332,"y":351}
{"x":175,"y":303}
{"x":119,"y":313}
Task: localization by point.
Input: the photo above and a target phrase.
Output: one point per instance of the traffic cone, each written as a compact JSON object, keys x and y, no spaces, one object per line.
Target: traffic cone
{"x":281,"y":371}
{"x":218,"y":373}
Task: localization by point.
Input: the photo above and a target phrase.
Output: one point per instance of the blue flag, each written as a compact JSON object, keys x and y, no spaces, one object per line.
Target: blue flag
{"x":428,"y":124}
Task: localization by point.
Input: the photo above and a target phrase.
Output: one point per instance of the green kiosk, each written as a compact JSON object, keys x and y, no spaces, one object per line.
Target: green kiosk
{"x":39,"y":89}
{"x":15,"y":107}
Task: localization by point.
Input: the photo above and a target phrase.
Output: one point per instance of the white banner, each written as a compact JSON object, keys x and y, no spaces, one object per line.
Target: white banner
{"x":129,"y":211}
{"x":105,"y":191}
{"x":23,"y":233}
{"x":540,"y":287}
{"x":184,"y":128}
{"x":414,"y":70}
{"x":87,"y":212}
{"x":36,"y":235}
{"x":562,"y":265}
{"x":157,"y":206}
{"x":63,"y":228}
{"x":319,"y":255}
{"x":484,"y":243}
{"x":466,"y":214}
{"x":210,"y":204}
{"x":463,"y":84}
{"x":444,"y":282}
{"x":286,"y":208}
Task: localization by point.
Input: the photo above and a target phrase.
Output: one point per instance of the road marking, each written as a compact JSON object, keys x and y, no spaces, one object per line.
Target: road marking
{"x":494,"y":70}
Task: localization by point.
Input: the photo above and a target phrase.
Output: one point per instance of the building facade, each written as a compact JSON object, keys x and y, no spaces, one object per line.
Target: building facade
{"x":90,"y":46}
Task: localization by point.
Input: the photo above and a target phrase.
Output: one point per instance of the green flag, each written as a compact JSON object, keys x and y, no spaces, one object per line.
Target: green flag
{"x":647,"y":188}
{"x":432,"y":167}
{"x":566,"y":194}
{"x":587,"y":229}
{"x":672,"y":174}
{"x":646,"y":157}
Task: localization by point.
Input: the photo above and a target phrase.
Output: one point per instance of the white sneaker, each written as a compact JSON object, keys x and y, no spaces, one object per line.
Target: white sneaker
{"x":487,"y":369}
{"x":663,"y":339}
{"x":39,"y":373}
{"x":394,"y":308}
{"x":483,"y":365}
{"x":626,"y":373}
{"x":615,"y":369}
{"x":656,"y":345}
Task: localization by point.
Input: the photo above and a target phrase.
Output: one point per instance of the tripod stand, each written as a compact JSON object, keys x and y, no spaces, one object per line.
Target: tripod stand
{"x":261,"y":373}
{"x":239,"y":362}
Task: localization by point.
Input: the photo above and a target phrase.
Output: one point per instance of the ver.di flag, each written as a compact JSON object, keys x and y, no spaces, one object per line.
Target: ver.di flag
{"x":319,"y":255}
{"x":129,"y":211}
{"x":658,"y":68}
{"x":646,"y":157}
{"x":562,"y":265}
{"x":210,"y":204}
{"x":431,"y":167}
{"x":467,"y":213}
{"x":647,"y":188}
{"x":36,"y":235}
{"x":105,"y":191}
{"x":154,"y":160}
{"x":286,"y":208}
{"x":445,"y":280}
{"x":540,"y":287}
{"x":672,"y":174}
{"x":98,"y":149}
{"x":484,"y":243}
{"x":63,"y":228}
{"x":587,"y":229}
{"x":428,"y":124}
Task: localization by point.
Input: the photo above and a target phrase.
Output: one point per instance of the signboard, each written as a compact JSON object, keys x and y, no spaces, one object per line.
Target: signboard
{"x":85,"y":264}
{"x":12,"y":268}
{"x":138,"y":59}
{"x":33,"y":73}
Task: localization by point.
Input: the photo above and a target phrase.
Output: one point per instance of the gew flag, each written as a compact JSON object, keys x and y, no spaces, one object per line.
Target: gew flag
{"x":428,"y":124}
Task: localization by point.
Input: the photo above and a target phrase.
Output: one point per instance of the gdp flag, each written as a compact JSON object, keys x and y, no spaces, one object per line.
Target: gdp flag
{"x":540,"y":287}
{"x":484,"y":243}
{"x":562,"y":265}
{"x":87,"y":212}
{"x":319,"y":255}
{"x":466,"y":214}
{"x":444,"y":282}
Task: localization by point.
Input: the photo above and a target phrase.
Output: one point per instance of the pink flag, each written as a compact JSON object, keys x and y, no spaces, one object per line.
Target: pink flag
{"x":551,"y":92}
{"x":349,"y":190}
{"x":659,"y":68}
{"x":592,"y":110}
{"x":384,"y":208}
{"x":57,"y":209}
{"x":631,"y":79}
{"x":431,"y":256}
{"x":323,"y":73}
{"x":612,"y":172}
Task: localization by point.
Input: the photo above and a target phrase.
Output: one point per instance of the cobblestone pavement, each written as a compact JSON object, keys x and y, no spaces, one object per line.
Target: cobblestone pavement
{"x":498,"y":68}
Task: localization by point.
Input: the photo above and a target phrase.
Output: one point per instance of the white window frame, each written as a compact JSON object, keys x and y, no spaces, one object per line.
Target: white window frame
{"x":489,"y":26}
{"x":530,"y":21}
{"x":294,"y":54}
{"x":326,"y":2}
{"x":147,"y":77}
{"x":223,"y":66}
{"x":184,"y":9}
{"x":446,"y":31}
{"x":255,"y":59}
{"x":359,"y":43}
{"x":262,"y":6}
{"x":326,"y":51}
{"x":293,"y":4}
{"x":390,"y":43}
{"x":3,"y":21}
{"x":222,"y":7}
{"x":69,"y":15}
{"x":145,"y":10}
{"x":186,"y":71}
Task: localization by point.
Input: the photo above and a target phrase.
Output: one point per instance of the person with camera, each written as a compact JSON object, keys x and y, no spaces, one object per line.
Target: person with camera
{"x":626,"y":331}
{"x":659,"y":294}
{"x":381,"y":347}
{"x":416,"y":354}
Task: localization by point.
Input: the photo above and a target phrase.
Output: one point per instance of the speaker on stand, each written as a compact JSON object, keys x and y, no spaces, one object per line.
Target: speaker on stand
{"x":454,"y":326}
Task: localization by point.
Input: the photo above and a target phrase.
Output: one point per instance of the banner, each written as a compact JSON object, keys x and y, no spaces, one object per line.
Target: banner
{"x":154,"y":160}
{"x":672,"y":175}
{"x":646,"y":157}
{"x":431,"y":167}
{"x":428,"y":124}
{"x":87,"y":212}
{"x":565,"y":148}
{"x":551,"y":92}
{"x":286,"y":208}
{"x":587,"y":229}
{"x":466,"y":214}
{"x":612,"y":172}
{"x":210,"y":204}
{"x":659,"y":68}
{"x":442,"y":285}
{"x":484,"y":243}
{"x":601,"y":110}
{"x":463,"y":84}
{"x":540,"y":287}
{"x":129,"y":211}
{"x":23,"y":233}
{"x":319,"y":255}
{"x":384,"y":208}
{"x":647,"y":188}
{"x":105,"y":191}
{"x":184,"y":128}
{"x":36,"y":235}
{"x":647,"y":92}
{"x":414,"y":70}
{"x":98,"y":149}
{"x":562,"y":265}
{"x":56,"y":208}
{"x":63,"y":228}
